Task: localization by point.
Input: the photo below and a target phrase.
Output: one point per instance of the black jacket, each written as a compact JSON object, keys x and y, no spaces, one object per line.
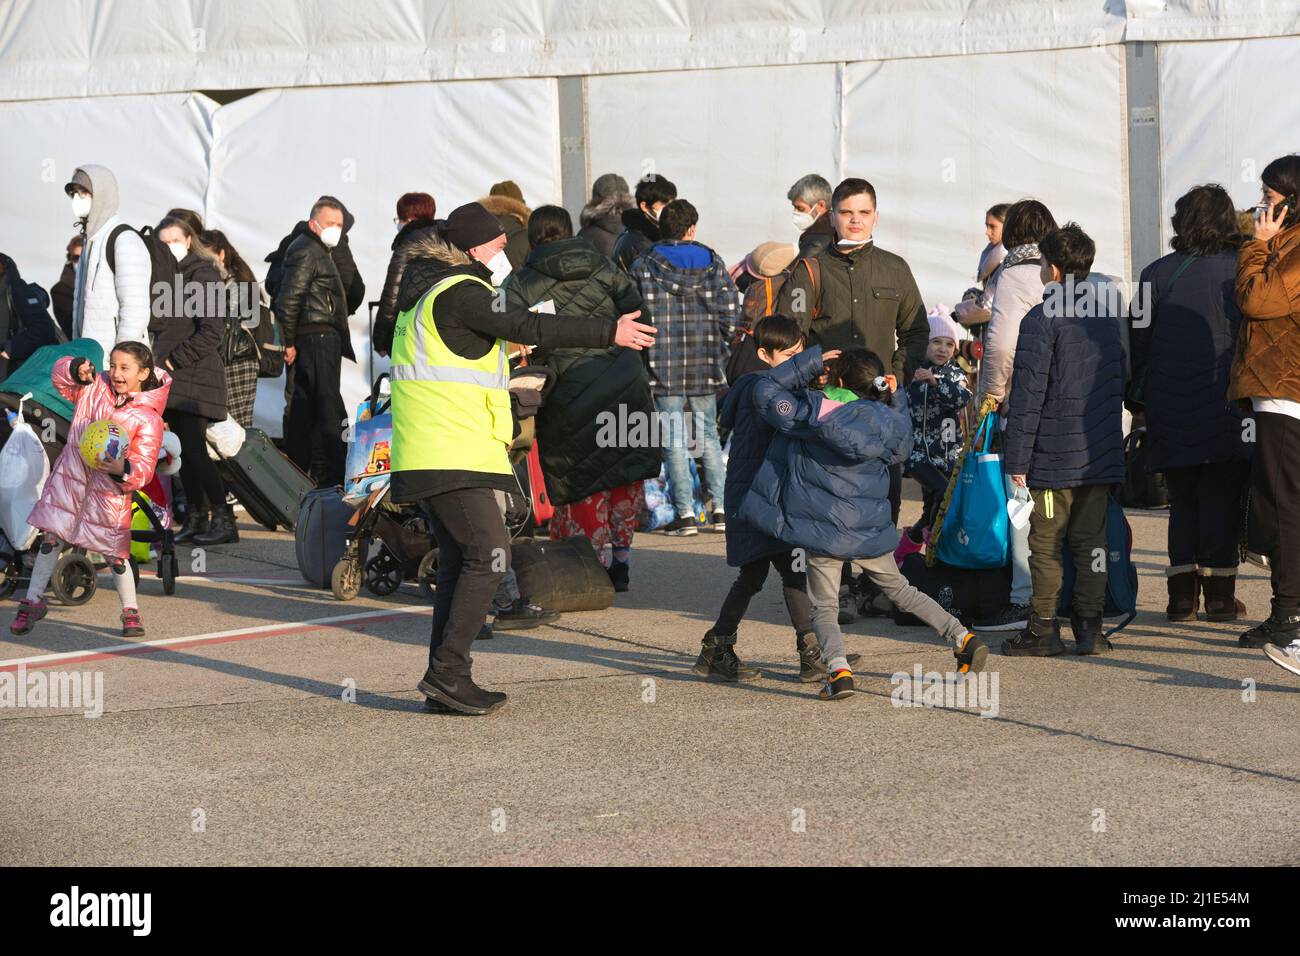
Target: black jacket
{"x":820,"y":235}
{"x":1185,"y":354}
{"x":639,"y":234}
{"x":187,"y":342}
{"x":61,"y":298}
{"x":592,"y":384}
{"x":311,"y":297}
{"x":603,"y":233}
{"x":1064,"y":426}
{"x":25,"y":323}
{"x":470,"y":321}
{"x":386,"y":316}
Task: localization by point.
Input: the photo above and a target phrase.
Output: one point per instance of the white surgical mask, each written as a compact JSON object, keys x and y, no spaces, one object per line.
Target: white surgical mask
{"x":331,"y":236}
{"x":81,"y":205}
{"x":178,"y":249}
{"x":803,"y":220}
{"x":500,"y":267}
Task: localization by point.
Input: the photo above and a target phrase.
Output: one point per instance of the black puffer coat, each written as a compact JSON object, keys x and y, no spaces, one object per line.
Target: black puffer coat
{"x":640,"y":232}
{"x":602,"y":223}
{"x":596,"y":389}
{"x":1185,"y":354}
{"x":386,"y":316}
{"x":189,"y":345}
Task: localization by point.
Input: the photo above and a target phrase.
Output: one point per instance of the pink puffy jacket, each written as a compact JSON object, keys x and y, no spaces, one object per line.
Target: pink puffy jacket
{"x":86,"y":507}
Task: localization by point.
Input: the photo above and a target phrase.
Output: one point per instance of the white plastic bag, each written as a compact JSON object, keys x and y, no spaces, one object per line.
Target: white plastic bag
{"x":24,"y":469}
{"x":225,"y":439}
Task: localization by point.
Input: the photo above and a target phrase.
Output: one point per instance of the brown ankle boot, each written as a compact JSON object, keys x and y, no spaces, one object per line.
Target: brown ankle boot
{"x":1184,"y":589}
{"x":1221,"y":602}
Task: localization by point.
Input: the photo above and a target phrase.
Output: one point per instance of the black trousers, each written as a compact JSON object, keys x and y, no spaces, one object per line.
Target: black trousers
{"x":1205,"y":514}
{"x":204,"y":489}
{"x":473,"y":556}
{"x":934,"y":485}
{"x":1275,"y":499}
{"x":750,"y":581}
{"x":316,"y":418}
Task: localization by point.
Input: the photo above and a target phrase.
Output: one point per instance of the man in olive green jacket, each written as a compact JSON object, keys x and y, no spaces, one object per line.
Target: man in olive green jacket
{"x":867,"y":297}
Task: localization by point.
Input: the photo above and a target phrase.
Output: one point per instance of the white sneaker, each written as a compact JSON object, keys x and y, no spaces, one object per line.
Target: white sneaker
{"x":1287,"y":657}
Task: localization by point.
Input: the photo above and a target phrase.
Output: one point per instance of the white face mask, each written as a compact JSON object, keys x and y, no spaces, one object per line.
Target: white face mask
{"x":81,"y":205}
{"x":331,"y":236}
{"x":178,"y":249}
{"x":500,"y":267}
{"x":803,"y":220}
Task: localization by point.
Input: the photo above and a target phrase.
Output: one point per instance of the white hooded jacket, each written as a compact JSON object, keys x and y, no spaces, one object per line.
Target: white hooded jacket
{"x":107,"y":306}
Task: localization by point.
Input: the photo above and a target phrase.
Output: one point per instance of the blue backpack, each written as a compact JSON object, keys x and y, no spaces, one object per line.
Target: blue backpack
{"x":1121,"y":575}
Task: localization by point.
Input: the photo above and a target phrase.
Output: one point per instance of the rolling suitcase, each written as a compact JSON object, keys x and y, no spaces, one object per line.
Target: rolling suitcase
{"x":321,"y":535}
{"x":562,"y":575}
{"x":266,"y":482}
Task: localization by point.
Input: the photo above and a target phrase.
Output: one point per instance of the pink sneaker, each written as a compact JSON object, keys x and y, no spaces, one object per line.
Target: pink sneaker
{"x":132,"y":626}
{"x":28,"y":614}
{"x":907,"y":546}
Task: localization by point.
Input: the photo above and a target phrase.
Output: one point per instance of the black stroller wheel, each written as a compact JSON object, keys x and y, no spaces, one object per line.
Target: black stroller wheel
{"x":167,"y":570}
{"x":428,"y":574}
{"x":383,"y":574}
{"x":135,"y":571}
{"x":74,"y":579}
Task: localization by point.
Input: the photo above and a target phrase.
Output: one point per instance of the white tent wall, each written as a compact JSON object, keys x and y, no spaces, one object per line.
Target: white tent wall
{"x":156,"y":146}
{"x":944,"y":138}
{"x":731,"y":141}
{"x":1221,"y":119}
{"x":275,"y":152}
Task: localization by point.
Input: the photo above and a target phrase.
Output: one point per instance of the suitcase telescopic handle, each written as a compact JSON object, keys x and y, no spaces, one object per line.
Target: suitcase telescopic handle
{"x":374,"y":396}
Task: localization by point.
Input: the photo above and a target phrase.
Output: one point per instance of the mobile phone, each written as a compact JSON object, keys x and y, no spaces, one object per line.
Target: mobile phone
{"x":1283,"y":208}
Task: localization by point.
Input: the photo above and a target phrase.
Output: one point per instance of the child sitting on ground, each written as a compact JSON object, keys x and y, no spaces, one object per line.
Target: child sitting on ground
{"x":938,"y":393}
{"x":824,"y":488}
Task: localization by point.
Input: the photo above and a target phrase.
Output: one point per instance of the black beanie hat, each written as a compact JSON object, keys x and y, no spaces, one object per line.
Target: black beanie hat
{"x":471,"y":225}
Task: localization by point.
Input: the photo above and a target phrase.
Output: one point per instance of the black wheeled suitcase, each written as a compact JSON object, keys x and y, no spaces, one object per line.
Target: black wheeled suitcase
{"x":562,"y":575}
{"x":266,"y":482}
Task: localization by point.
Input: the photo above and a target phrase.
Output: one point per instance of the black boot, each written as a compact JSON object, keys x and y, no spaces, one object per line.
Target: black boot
{"x":1088,"y":638}
{"x":718,"y":660}
{"x":618,"y":573}
{"x":223,"y":530}
{"x":196,"y":522}
{"x":811,"y":666}
{"x":459,"y":693}
{"x":1281,"y":628}
{"x":1042,"y":638}
{"x":1184,"y":590}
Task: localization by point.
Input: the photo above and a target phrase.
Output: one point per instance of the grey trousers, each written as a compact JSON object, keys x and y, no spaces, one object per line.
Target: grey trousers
{"x":824,"y":595}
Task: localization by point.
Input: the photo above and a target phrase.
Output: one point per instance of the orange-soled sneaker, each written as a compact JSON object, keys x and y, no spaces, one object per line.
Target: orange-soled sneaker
{"x":972,"y":655}
{"x":28,"y":614}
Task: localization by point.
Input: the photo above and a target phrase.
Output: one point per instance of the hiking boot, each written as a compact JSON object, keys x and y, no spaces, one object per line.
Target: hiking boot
{"x":719,"y":521}
{"x":1013,"y":617}
{"x":521,"y":614}
{"x":1221,"y":602}
{"x":1288,"y":656}
{"x":221,"y":531}
{"x":718,"y":660}
{"x":484,"y":633}
{"x":1041,"y":638}
{"x":972,"y":656}
{"x":1184,"y":591}
{"x":618,"y":574}
{"x":811,"y":666}
{"x":838,"y":686}
{"x":1088,"y":638}
{"x":1280,"y":628}
{"x":196,"y":522}
{"x":132,"y":626}
{"x":459,"y":693}
{"x":28,"y":614}
{"x":681,"y":526}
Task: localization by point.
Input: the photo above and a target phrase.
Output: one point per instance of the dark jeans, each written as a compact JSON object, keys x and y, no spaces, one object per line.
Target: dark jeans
{"x":316,"y":416}
{"x":473,"y":555}
{"x":204,"y":489}
{"x":1205,"y":515}
{"x":750,"y":581}
{"x":934,"y":485}
{"x":1275,"y":499}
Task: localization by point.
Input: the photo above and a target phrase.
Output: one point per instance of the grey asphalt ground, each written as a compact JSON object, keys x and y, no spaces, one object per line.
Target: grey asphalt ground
{"x":243,"y":750}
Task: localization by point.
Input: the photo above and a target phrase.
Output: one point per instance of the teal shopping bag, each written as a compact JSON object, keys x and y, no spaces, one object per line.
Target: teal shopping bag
{"x":976,"y":529}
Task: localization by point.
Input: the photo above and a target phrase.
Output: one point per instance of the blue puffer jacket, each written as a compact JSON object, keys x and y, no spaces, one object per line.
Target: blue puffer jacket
{"x":824,"y":485}
{"x":1064,"y":425}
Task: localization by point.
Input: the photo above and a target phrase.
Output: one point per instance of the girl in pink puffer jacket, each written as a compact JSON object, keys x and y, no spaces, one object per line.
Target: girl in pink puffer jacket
{"x":91,"y":507}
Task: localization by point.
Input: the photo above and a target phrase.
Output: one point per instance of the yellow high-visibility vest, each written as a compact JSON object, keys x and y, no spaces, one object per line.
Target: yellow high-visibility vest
{"x":449,"y":413}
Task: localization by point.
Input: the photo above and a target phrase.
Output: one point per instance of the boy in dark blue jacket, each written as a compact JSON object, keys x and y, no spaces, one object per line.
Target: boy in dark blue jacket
{"x":778,"y":339}
{"x":1064,"y":441}
{"x":824,"y":488}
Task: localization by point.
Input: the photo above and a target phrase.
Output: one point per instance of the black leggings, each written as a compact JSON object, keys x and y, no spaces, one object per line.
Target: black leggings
{"x":934,"y":485}
{"x":750,"y":582}
{"x":199,"y":475}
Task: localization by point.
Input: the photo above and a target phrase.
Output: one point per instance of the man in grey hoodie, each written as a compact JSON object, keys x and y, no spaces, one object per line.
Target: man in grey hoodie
{"x":109,"y":304}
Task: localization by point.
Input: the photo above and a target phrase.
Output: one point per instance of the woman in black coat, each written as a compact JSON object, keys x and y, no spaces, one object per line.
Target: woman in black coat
{"x":1184,"y":335}
{"x":593,"y":473}
{"x":187,"y":336}
{"x":414,"y":221}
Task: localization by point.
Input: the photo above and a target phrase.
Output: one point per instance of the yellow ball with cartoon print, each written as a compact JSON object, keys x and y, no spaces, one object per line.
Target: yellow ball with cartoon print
{"x":103,"y":443}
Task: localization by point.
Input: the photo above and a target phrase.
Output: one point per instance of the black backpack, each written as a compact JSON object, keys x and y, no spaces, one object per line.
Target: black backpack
{"x":162,"y":264}
{"x":1142,"y":487}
